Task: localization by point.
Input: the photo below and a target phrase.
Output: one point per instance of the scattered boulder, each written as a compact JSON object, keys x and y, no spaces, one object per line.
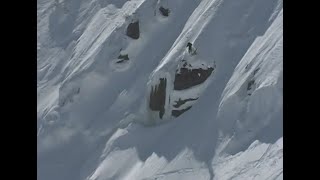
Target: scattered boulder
{"x":187,"y":78}
{"x":133,"y":30}
{"x":164,"y":11}
{"x":158,"y":97}
{"x":123,"y":58}
{"x":177,"y":113}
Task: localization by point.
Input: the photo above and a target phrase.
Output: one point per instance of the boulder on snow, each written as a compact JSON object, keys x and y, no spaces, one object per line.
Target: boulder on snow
{"x":177,"y":113}
{"x":123,"y":58}
{"x":187,"y":77}
{"x":164,"y":11}
{"x":158,"y":97}
{"x":133,"y":30}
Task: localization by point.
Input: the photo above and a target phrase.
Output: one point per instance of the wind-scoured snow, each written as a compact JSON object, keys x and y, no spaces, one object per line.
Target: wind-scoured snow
{"x":94,"y":120}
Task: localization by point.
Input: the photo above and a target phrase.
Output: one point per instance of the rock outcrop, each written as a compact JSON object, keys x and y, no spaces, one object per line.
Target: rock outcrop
{"x":123,"y":58}
{"x":133,"y":30}
{"x":177,"y":113}
{"x":158,"y":97}
{"x":164,"y":11}
{"x":181,"y":102}
{"x":188,"y":77}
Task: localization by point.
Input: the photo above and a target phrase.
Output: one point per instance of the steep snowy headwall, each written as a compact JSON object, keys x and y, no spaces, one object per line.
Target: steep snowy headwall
{"x":108,"y":68}
{"x":252,"y":99}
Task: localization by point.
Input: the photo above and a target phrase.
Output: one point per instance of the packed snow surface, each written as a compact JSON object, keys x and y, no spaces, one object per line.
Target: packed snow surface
{"x":94,"y":121}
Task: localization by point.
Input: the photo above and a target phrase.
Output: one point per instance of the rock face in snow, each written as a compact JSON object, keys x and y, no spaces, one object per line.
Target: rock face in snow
{"x":158,"y":97}
{"x":187,"y":77}
{"x":164,"y":11}
{"x":133,"y":30}
{"x":177,"y":113}
{"x":252,"y":99}
{"x":183,"y":101}
{"x":123,"y":58}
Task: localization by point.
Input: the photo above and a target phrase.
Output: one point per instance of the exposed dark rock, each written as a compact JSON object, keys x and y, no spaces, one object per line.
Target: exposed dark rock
{"x":121,"y":61}
{"x":177,"y":113}
{"x":133,"y":30}
{"x":180,"y":102}
{"x":190,"y":77}
{"x":158,"y":97}
{"x":250,"y":85}
{"x":164,"y":11}
{"x":123,"y":58}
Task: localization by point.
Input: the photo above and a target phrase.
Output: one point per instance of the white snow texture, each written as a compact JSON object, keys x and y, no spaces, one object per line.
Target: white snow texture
{"x":95,"y":121}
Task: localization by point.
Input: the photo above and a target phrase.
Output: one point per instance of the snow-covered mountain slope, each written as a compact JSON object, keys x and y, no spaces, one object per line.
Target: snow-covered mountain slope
{"x":121,"y":97}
